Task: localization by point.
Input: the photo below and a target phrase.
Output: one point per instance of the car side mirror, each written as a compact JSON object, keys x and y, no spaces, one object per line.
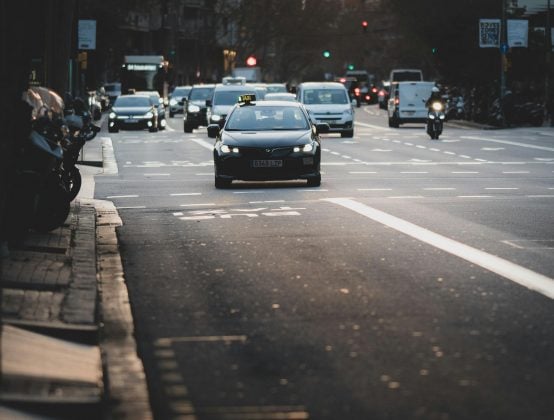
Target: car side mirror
{"x":213,"y":130}
{"x":322,"y":128}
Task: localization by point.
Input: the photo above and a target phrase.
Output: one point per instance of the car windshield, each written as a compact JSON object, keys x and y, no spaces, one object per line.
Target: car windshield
{"x":251,"y":118}
{"x":131,"y":101}
{"x":276,"y":88}
{"x":179,"y":92}
{"x":200,"y":94}
{"x":229,"y":97}
{"x":325,"y":96}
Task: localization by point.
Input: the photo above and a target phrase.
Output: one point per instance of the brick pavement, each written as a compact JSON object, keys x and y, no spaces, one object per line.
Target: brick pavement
{"x":67,"y":349}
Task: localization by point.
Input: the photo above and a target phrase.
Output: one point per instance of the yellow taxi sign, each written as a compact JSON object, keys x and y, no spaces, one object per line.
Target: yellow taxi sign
{"x":247,"y":99}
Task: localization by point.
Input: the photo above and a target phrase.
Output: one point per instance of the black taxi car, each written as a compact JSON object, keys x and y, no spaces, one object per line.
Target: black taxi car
{"x":267,"y":140}
{"x":133,"y":111}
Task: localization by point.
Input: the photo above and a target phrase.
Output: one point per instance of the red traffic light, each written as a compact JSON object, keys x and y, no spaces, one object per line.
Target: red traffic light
{"x":364,"y":23}
{"x":251,"y":61}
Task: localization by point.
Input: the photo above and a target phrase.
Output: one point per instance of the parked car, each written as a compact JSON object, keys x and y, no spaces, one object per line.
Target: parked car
{"x":194,"y":114}
{"x":328,"y":102}
{"x":113,"y":90}
{"x":133,"y":111}
{"x":177,"y":99}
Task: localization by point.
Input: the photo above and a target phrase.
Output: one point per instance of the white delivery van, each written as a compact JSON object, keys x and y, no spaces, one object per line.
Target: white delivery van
{"x":407,"y":102}
{"x":406,"y":75}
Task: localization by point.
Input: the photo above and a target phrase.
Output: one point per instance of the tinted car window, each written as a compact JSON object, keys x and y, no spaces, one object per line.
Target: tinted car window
{"x":201,"y":94}
{"x":133,"y":101}
{"x":180,"y":92}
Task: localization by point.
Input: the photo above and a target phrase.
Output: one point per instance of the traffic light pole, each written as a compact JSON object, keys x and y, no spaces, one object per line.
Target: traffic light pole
{"x":503,"y":59}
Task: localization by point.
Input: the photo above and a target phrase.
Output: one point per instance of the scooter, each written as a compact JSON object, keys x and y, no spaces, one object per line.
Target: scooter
{"x":435,"y":120}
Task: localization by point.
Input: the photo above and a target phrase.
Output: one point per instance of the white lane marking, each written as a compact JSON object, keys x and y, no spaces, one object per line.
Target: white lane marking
{"x":202,"y":143}
{"x":197,"y":205}
{"x":465,"y":156}
{"x":449,"y":153}
{"x":474,"y":196}
{"x":492,"y":149}
{"x":204,"y":174}
{"x":369,"y":125}
{"x":507,"y":269}
{"x":123,"y":196}
{"x":266,"y":201}
{"x":181,"y":194}
{"x":512,"y":143}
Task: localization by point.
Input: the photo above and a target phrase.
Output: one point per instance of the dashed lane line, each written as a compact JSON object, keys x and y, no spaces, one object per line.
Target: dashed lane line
{"x":507,"y":269}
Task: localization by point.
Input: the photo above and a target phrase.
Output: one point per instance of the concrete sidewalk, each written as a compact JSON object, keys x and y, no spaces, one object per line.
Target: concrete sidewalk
{"x":67,"y":335}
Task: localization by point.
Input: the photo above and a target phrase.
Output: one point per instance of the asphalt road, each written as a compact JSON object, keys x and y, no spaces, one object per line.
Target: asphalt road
{"x":415,"y":283}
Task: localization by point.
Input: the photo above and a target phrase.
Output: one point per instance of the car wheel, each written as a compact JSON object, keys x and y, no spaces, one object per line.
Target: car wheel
{"x":188,"y":128}
{"x":221,"y":183}
{"x":314,"y":181}
{"x":349,"y":133}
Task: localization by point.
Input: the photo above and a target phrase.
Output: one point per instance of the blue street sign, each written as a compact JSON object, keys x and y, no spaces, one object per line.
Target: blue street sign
{"x":504,"y":48}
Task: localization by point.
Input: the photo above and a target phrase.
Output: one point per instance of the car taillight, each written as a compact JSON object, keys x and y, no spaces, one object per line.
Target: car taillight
{"x":357,"y":91}
{"x":367,"y":97}
{"x":381,"y":93}
{"x":396,"y":101}
{"x":374,"y":90}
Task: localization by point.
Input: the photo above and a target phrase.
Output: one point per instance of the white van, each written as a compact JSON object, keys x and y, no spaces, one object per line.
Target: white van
{"x":406,"y":75}
{"x":407,"y":102}
{"x":328,"y":102}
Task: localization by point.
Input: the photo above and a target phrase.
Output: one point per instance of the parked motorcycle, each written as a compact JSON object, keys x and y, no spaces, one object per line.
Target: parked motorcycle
{"x":81,"y":130}
{"x":435,"y":120}
{"x":37,"y":198}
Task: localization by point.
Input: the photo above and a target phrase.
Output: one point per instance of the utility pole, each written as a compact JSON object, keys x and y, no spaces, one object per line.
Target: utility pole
{"x":503,"y":58}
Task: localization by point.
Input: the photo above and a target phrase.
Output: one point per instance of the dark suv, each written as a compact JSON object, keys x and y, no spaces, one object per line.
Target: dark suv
{"x":195,"y":107}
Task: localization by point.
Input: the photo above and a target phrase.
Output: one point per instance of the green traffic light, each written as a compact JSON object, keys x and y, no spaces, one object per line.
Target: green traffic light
{"x":326,"y":53}
{"x":351,"y":67}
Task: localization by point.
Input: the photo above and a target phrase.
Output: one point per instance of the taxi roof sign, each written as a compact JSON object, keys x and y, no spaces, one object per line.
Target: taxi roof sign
{"x":247,"y":99}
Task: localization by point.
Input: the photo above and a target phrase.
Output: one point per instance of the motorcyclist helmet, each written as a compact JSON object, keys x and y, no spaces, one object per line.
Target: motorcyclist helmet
{"x":435,"y":89}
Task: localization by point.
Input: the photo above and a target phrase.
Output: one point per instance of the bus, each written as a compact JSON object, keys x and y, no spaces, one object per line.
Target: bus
{"x":143,"y":72}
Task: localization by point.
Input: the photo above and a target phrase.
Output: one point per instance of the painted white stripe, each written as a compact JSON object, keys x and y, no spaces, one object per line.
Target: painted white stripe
{"x":109,"y":162}
{"x":507,"y":269}
{"x":123,"y":196}
{"x":197,"y":205}
{"x":513,"y":143}
{"x":266,"y":201}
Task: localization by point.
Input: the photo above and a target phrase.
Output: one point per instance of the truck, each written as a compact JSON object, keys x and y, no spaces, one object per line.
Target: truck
{"x":252,"y":74}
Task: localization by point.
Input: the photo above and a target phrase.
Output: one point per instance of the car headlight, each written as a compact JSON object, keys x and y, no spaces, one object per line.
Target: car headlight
{"x":227,"y":149}
{"x":216,"y":117}
{"x":306,"y":148}
{"x":431,"y":116}
{"x":112,"y":116}
{"x":193,"y":108}
{"x":442,"y":116}
{"x":173,"y":102}
{"x":437,"y":106}
{"x":348,"y":112}
{"x":148,"y":115}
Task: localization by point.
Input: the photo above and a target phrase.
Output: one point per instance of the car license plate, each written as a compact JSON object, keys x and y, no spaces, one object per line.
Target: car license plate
{"x":132,"y":120}
{"x":267,"y":163}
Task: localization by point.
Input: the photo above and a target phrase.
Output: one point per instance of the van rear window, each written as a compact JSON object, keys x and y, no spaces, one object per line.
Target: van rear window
{"x":406,"y":76}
